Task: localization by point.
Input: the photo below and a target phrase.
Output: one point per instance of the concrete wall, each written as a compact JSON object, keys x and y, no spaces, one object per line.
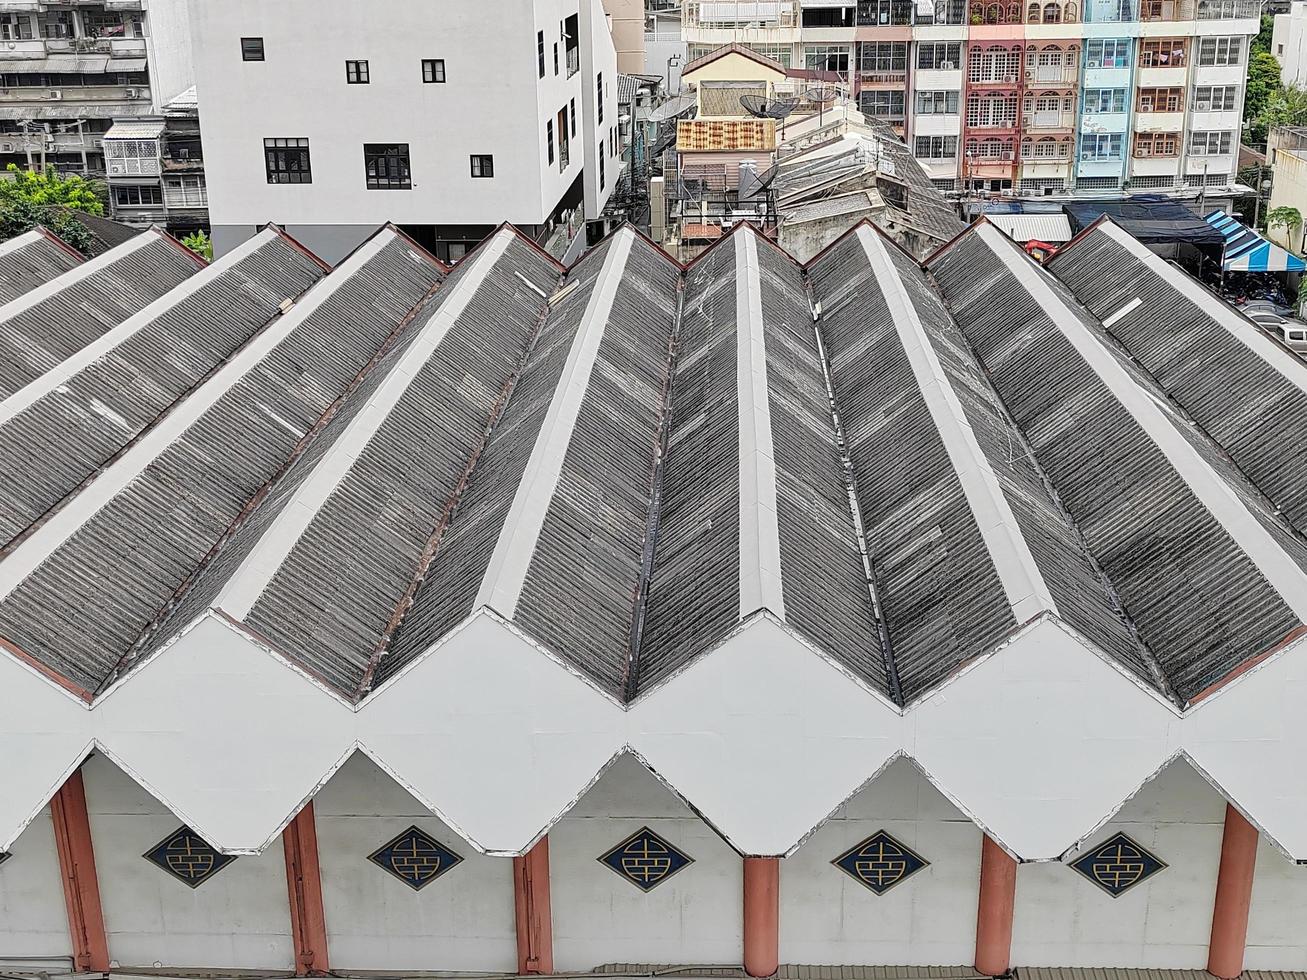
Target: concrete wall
{"x":1062,"y":919}
{"x":300,"y":91}
{"x":1289,"y":186}
{"x":172,"y":71}
{"x":237,"y":919}
{"x":599,"y":917}
{"x":626,"y":18}
{"x":461,"y":921}
{"x":1275,"y":924}
{"x":928,"y":920}
{"x":1289,"y":44}
{"x":33,"y":922}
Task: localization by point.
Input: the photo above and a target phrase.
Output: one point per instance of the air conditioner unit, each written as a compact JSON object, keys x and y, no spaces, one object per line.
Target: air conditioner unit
{"x":56,"y":95}
{"x":1202,"y":106}
{"x":8,"y":148}
{"x":133,"y":93}
{"x":947,"y":66}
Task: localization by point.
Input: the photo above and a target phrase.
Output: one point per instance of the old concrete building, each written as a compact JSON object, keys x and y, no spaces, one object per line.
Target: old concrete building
{"x":520,"y":618}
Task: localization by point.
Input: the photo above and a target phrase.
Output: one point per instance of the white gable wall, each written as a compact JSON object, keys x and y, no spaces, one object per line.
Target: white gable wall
{"x":927,"y":920}
{"x":238,"y":919}
{"x":35,"y":923}
{"x":1063,"y":919}
{"x":599,"y":917}
{"x":461,"y":921}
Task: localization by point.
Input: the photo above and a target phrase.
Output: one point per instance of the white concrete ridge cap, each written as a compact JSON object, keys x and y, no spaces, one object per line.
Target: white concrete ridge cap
{"x":1241,"y":329}
{"x":22,"y":241}
{"x":760,"y":545}
{"x":103,"y":345}
{"x":50,"y":536}
{"x":276,"y":544}
{"x":1023,"y":583}
{"x":1208,"y":486}
{"x":86,"y":270}
{"x":501,"y":588}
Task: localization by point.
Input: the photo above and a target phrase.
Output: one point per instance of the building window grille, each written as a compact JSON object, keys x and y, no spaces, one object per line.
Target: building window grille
{"x":433,"y":71}
{"x":937,"y":103}
{"x":251,"y":49}
{"x":1210,"y":144}
{"x":540,"y":51}
{"x":387,"y":166}
{"x":138,"y":196}
{"x":187,"y":857}
{"x":1161,"y":99}
{"x":483,"y":165}
{"x":1157,"y":144}
{"x":1216,"y":98}
{"x":1220,"y":51}
{"x":599,"y":95}
{"x":601,"y":164}
{"x":936,"y":147}
{"x":287,"y":161}
{"x":356,"y":72}
{"x":571,"y":112}
{"x":549,"y":138}
{"x":941,"y":55}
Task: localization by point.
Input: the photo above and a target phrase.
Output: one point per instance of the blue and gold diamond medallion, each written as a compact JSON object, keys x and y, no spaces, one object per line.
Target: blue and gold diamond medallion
{"x":646,"y":860}
{"x":1118,"y":864}
{"x":187,"y":857}
{"x":416,"y":858}
{"x":880,"y":862}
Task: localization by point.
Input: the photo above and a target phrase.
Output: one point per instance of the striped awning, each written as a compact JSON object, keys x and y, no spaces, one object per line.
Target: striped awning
{"x":1247,"y":251}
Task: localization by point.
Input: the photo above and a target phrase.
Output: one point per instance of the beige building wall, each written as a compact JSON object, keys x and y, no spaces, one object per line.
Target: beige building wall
{"x":1290,"y":185}
{"x":626,"y":17}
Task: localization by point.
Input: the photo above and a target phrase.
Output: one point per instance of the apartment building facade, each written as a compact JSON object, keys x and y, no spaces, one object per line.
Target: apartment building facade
{"x":68,"y":68}
{"x":1033,"y":96}
{"x":332,"y":116}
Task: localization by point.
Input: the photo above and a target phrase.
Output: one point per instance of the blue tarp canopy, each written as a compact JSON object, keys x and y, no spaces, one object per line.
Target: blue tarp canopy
{"x":1247,"y":251}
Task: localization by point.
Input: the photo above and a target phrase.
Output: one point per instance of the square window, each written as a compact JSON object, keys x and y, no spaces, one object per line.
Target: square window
{"x":187,"y":857}
{"x":646,"y":860}
{"x":356,"y":72}
{"x":251,"y":49}
{"x":1118,"y":864}
{"x":880,"y":862}
{"x":483,"y":165}
{"x":387,"y":166}
{"x":287,"y":161}
{"x":415,"y":858}
{"x":433,"y":71}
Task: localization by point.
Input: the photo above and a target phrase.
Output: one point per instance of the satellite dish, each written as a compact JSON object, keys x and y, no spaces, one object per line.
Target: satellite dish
{"x":822,"y":94}
{"x":762,"y":107}
{"x":673,"y":108}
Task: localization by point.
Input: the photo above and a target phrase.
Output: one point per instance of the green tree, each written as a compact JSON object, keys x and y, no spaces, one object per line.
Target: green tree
{"x":200,"y":243}
{"x":1262,"y":42}
{"x":1290,"y":219}
{"x":1263,"y":83}
{"x":1286,"y":107}
{"x":29,"y":198}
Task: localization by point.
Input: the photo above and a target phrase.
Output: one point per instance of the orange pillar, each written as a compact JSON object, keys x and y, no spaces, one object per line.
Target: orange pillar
{"x":1234,"y":893}
{"x":762,"y":915}
{"x":998,"y":894}
{"x":535,"y":925}
{"x":72,"y":838}
{"x":308,"y":919}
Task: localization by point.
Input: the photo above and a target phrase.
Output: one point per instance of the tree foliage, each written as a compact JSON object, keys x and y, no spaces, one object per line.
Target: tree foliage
{"x":1262,"y":42}
{"x":1263,"y":83}
{"x":29,"y":198}
{"x":1286,"y":107}
{"x":199,"y":243}
{"x":1288,"y":218}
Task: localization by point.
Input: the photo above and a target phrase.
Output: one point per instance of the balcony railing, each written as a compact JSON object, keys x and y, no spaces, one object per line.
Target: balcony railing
{"x":733,"y":15}
{"x":1052,"y":75}
{"x":1166,"y":10}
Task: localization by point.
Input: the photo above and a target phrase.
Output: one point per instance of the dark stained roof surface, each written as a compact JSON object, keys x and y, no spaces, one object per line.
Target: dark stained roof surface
{"x":628,"y":460}
{"x":45,"y":326}
{"x":31,"y":260}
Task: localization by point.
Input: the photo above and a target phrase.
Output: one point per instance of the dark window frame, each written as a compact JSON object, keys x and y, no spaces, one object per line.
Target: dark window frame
{"x":277,"y":160}
{"x":252,"y":49}
{"x":433,"y":71}
{"x":358,"y":72}
{"x":483,"y":166}
{"x":387,"y":167}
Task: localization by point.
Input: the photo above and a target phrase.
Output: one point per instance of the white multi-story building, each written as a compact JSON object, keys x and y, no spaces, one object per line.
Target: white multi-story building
{"x":1035,"y":96}
{"x":1289,"y":44}
{"x":331,"y":116}
{"x":68,"y":68}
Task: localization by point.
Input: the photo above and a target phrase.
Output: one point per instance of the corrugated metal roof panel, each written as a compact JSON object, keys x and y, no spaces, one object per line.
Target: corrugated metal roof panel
{"x":1051,"y":228}
{"x":31,"y":260}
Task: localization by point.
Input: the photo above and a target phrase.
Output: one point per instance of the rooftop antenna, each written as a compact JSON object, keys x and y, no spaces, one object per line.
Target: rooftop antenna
{"x":822,"y":95}
{"x":761,"y":107}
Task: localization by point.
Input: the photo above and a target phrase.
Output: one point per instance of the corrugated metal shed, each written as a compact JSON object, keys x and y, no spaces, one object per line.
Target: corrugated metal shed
{"x":1022,"y":228}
